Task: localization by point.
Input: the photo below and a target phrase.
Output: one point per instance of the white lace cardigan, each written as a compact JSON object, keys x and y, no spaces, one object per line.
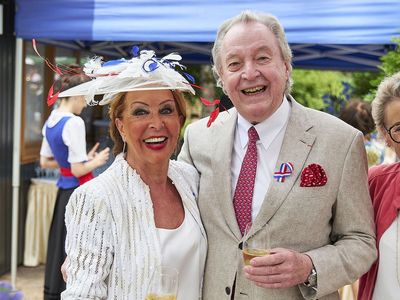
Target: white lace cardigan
{"x":111,"y":242}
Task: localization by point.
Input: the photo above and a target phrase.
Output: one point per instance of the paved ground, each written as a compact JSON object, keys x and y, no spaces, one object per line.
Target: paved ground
{"x":30,"y":281}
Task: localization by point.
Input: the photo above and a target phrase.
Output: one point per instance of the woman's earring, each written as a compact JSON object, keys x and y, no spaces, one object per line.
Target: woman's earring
{"x":124,"y":147}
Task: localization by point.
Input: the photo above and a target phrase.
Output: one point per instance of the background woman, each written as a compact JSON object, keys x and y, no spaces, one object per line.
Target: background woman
{"x":64,"y":147}
{"x":383,"y":279}
{"x":141,"y":212}
{"x":359,"y":115}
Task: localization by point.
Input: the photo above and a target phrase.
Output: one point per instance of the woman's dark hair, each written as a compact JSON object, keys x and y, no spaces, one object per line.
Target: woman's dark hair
{"x":359,"y":115}
{"x":72,"y":76}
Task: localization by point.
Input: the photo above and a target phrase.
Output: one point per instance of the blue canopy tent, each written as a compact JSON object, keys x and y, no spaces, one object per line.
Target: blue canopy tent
{"x":328,"y":34}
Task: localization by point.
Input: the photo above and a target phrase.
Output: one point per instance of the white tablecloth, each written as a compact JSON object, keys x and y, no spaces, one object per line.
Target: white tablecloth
{"x":41,"y":199}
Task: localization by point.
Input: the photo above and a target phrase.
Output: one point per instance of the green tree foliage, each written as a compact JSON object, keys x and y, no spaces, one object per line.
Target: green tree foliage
{"x":390,"y":61}
{"x":195,"y":71}
{"x":362,"y":84}
{"x":366,"y":83}
{"x":311,"y":87}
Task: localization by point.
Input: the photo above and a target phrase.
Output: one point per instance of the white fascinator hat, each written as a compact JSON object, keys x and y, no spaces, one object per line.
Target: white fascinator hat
{"x":144,"y":71}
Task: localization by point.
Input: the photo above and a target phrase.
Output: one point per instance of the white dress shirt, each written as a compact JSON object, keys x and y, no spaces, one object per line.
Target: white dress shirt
{"x":271,"y":132}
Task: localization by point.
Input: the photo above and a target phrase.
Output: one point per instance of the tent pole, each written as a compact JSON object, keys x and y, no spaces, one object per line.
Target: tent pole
{"x":16,"y":158}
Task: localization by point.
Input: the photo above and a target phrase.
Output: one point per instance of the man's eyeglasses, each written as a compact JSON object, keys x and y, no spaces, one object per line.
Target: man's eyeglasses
{"x":394,"y":132}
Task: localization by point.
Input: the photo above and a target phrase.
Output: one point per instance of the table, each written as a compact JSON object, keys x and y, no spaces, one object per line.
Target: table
{"x":41,"y":200}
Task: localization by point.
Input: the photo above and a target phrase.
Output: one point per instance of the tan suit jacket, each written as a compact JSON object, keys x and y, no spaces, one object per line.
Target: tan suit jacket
{"x":333,"y":224}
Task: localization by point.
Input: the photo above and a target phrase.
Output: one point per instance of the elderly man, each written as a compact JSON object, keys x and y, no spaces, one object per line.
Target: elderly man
{"x":275,"y":164}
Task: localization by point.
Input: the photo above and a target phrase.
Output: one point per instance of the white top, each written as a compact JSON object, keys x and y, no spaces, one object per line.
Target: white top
{"x":73,"y":135}
{"x":183,"y":249}
{"x":112,"y":242}
{"x":387,"y":284}
{"x":271,"y":133}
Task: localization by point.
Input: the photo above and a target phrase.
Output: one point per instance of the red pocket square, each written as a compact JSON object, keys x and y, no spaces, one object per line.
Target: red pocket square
{"x":313,"y":175}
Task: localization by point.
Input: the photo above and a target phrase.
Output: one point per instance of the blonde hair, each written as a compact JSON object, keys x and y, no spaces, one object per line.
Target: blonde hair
{"x":247,"y":16}
{"x":117,"y":107}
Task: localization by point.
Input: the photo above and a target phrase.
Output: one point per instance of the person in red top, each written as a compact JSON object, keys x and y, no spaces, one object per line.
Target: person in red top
{"x":382,"y":281}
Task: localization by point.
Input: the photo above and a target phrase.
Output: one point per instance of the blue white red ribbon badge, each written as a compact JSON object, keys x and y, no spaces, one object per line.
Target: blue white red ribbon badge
{"x":285,"y":170}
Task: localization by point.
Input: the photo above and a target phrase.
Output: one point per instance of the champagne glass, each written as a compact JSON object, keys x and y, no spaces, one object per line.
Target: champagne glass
{"x":255,"y":246}
{"x":163,"y":284}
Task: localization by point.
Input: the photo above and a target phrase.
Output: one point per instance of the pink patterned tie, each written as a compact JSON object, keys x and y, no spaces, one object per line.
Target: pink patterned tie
{"x":245,"y":185}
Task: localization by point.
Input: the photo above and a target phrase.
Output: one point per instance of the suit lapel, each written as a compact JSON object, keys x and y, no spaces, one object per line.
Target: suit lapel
{"x":221,"y":164}
{"x":296,"y":146}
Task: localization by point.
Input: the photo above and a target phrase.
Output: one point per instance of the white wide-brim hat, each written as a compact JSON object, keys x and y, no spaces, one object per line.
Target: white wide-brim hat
{"x":142,"y":72}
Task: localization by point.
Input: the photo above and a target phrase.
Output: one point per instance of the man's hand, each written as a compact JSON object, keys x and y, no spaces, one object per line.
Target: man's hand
{"x":282,"y":268}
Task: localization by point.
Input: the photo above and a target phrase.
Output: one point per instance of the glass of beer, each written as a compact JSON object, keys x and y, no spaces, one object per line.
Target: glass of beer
{"x":255,"y":246}
{"x":163,"y":284}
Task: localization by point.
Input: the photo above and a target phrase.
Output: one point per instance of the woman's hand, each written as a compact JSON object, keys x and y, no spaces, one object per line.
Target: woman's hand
{"x":98,"y":159}
{"x":64,"y":270}
{"x":92,"y":151}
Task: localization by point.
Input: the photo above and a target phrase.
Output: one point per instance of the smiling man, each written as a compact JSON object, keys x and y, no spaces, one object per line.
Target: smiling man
{"x":296,"y":173}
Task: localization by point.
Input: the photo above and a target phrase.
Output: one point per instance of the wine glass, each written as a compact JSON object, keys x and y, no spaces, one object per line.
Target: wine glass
{"x":255,"y":246}
{"x":163,"y":284}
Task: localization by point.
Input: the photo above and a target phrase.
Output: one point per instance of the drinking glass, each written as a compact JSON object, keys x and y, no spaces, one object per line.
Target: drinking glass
{"x":255,"y":246}
{"x":163,"y":284}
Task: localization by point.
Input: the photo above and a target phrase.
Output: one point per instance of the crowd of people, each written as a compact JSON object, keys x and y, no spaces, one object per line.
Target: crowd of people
{"x":268,"y":164}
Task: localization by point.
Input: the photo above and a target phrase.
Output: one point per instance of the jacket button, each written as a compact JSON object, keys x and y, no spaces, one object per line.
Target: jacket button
{"x":227,"y":290}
